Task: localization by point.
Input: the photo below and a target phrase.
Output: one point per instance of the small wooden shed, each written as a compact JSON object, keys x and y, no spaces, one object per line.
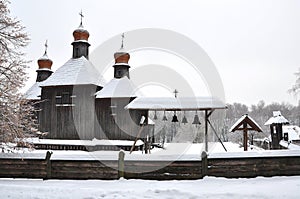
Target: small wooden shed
{"x":276,"y":123}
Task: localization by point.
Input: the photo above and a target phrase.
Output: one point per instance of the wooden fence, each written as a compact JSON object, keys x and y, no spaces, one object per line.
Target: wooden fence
{"x":234,"y":167}
{"x":229,"y":166}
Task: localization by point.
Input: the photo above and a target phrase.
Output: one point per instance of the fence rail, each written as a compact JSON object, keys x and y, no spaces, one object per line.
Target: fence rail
{"x":230,"y":167}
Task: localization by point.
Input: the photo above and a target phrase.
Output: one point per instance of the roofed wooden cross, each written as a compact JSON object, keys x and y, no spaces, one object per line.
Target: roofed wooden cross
{"x":245,"y":123}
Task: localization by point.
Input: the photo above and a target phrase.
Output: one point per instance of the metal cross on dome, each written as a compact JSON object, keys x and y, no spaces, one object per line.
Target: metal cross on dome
{"x":122,"y":44}
{"x":81,"y":16}
{"x":46,"y":46}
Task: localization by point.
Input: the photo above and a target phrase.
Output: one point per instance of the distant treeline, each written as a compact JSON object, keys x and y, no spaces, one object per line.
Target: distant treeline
{"x":260,"y":112}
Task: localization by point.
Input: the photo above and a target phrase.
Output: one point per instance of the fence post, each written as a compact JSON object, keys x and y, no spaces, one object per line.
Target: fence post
{"x":121,"y":164}
{"x":48,"y":165}
{"x":204,"y":163}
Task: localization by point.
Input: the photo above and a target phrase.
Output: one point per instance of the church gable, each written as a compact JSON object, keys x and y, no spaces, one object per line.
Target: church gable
{"x":78,"y":71}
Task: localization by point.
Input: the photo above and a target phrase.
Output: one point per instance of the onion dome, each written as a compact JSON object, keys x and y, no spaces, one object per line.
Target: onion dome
{"x":121,"y":56}
{"x":80,"y":33}
{"x":80,"y":43}
{"x":44,"y":62}
{"x":121,"y":66}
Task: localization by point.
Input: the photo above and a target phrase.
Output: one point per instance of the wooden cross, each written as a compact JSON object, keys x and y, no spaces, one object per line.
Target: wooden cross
{"x":81,"y":16}
{"x":46,"y":46}
{"x":122,"y":45}
{"x":175,"y":92}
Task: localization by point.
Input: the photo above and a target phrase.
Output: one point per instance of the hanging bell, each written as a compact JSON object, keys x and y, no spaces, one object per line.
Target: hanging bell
{"x":184,"y":120}
{"x":196,"y":120}
{"x":174,"y":119}
{"x":155,"y":116}
{"x":165,"y":117}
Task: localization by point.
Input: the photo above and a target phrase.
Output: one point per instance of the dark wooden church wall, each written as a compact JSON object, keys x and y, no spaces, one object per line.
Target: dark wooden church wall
{"x":84,"y":111}
{"x":114,"y":121}
{"x":72,"y":115}
{"x":45,"y":115}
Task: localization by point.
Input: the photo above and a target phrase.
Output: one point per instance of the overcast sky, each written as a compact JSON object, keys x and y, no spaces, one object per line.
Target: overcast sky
{"x":255,"y":44}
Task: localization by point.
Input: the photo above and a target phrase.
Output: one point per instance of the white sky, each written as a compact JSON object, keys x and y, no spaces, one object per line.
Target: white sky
{"x":255,"y":44}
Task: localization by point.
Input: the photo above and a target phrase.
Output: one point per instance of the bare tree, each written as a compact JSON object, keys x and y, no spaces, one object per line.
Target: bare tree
{"x":296,"y":87}
{"x":16,"y":114}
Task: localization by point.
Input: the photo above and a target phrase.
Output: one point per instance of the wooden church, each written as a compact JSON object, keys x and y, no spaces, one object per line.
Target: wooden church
{"x":75,"y":103}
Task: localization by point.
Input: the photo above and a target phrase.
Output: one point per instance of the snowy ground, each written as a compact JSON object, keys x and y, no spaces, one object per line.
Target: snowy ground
{"x":209,"y":187}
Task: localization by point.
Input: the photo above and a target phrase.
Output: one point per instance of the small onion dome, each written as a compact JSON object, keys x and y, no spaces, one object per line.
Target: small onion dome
{"x":121,"y":57}
{"x":81,"y":34}
{"x":44,"y":62}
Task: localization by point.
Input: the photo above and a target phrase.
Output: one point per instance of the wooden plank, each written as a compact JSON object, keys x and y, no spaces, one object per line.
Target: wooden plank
{"x":85,"y":164}
{"x":164,"y":163}
{"x":23,"y":167}
{"x":109,"y":176}
{"x":21,"y":161}
{"x":25,"y":173}
{"x":80,"y":170}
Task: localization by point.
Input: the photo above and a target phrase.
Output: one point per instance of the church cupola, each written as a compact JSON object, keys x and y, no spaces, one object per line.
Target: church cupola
{"x":80,"y":43}
{"x":121,"y":67}
{"x":45,"y":64}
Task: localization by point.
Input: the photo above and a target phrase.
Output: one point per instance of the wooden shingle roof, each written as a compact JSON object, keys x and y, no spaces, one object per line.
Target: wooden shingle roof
{"x":250,"y":124}
{"x":78,"y":71}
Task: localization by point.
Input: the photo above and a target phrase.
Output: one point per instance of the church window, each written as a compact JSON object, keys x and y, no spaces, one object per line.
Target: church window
{"x":58,"y":99}
{"x":119,"y":73}
{"x":113,"y":110}
{"x":77,"y":52}
{"x":66,"y":98}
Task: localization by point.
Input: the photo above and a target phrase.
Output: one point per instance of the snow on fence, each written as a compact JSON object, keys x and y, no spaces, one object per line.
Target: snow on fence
{"x":49,"y":166}
{"x":23,"y":166}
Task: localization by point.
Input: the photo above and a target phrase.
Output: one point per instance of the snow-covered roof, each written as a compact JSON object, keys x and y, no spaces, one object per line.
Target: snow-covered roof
{"x":121,"y":64}
{"x":44,"y":57}
{"x":277,"y":119}
{"x":34,"y":92}
{"x":44,"y":69}
{"x":93,"y":142}
{"x":249,"y":121}
{"x":292,"y":130}
{"x":289,"y":145}
{"x":80,"y":40}
{"x":172,"y":103}
{"x":122,"y":87}
{"x":151,"y":122}
{"x":78,"y":71}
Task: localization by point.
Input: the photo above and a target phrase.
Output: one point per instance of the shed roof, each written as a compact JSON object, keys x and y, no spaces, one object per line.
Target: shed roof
{"x":78,"y":71}
{"x":249,"y":122}
{"x":117,"y":88}
{"x":277,"y":119}
{"x":172,"y":103}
